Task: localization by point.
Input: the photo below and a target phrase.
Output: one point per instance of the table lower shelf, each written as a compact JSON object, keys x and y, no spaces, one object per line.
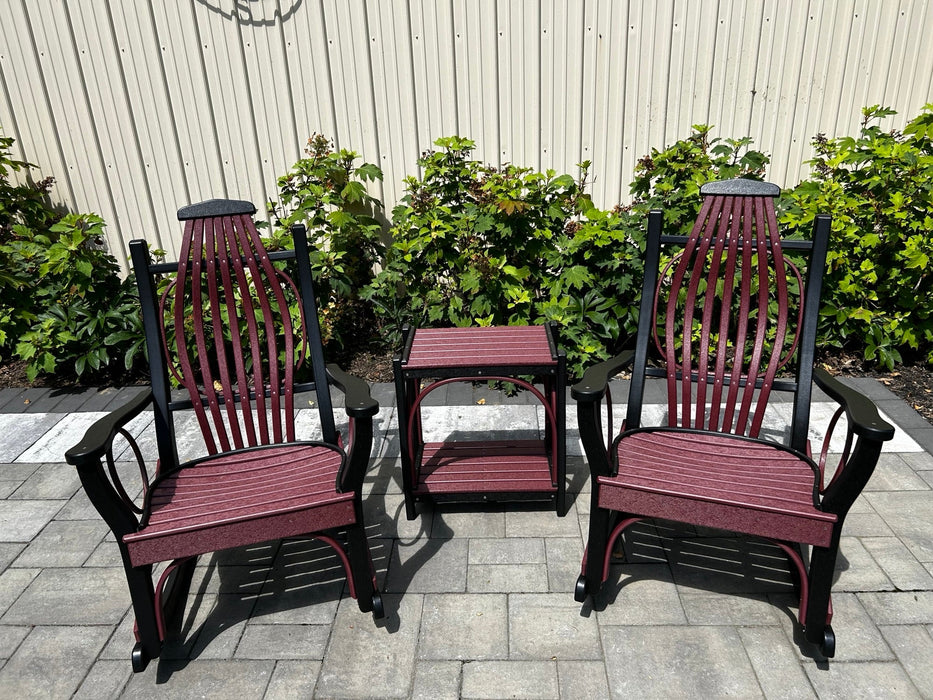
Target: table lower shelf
{"x":482,"y":468}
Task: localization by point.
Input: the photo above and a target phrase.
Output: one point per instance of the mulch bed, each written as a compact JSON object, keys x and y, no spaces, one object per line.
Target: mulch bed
{"x":912,"y":383}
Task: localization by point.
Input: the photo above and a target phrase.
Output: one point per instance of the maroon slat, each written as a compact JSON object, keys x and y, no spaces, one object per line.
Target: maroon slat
{"x":237,"y":493}
{"x":496,"y":346}
{"x":493,"y":466}
{"x":736,"y":484}
{"x":226,"y":275}
{"x":213,"y":537}
{"x":732,"y":257}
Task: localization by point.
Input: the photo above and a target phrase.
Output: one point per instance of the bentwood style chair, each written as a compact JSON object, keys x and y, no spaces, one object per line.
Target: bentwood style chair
{"x":242,"y":332}
{"x":728,"y":321}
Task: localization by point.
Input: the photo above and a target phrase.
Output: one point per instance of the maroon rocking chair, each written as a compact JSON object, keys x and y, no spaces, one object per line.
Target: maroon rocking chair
{"x":240,"y":350}
{"x":732,"y":321}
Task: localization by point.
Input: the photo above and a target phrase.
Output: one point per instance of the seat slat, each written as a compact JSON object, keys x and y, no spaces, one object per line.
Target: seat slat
{"x":731,"y":471}
{"x":495,"y":466}
{"x":262,"y":483}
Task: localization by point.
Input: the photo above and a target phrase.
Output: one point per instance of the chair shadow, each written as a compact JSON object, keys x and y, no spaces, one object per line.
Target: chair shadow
{"x":708,"y":560}
{"x":298,"y":580}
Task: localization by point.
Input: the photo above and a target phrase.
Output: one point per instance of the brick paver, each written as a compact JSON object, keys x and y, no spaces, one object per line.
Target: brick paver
{"x":479,"y":601}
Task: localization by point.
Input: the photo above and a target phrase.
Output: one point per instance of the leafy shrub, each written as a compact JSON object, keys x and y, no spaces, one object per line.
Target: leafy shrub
{"x":62,"y":304}
{"x":327,"y":192}
{"x":878,"y":291}
{"x":671,"y":179}
{"x":474,"y":244}
{"x":21,"y":205}
{"x":79,"y":311}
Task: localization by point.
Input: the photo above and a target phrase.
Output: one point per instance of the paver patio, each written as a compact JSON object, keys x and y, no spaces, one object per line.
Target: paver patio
{"x":479,"y":601}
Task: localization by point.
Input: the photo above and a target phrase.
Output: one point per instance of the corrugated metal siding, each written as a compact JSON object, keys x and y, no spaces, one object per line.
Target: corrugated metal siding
{"x":137,"y":108}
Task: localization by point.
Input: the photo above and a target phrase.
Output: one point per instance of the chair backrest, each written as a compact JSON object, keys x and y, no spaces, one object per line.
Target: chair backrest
{"x":729,"y":315}
{"x":232,"y":329}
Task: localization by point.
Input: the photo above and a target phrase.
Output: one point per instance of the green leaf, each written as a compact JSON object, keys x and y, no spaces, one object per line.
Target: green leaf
{"x":368,"y":171}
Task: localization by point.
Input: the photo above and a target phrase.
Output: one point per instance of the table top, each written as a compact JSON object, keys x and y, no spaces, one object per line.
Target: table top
{"x":480,"y":348}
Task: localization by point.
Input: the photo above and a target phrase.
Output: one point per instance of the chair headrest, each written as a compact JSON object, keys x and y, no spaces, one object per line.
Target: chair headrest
{"x":216,"y":207}
{"x":740,"y":187}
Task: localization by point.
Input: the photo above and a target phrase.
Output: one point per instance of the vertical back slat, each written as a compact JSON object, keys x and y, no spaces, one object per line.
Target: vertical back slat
{"x":239,"y":331}
{"x":261,"y":266}
{"x":740,"y":340}
{"x":249,"y":344}
{"x":731,"y":245}
{"x":189,"y":272}
{"x":767,"y":221}
{"x":670,"y":348}
{"x":758,"y":251}
{"x":215,"y":291}
{"x":229,"y":256}
{"x":726,"y":315}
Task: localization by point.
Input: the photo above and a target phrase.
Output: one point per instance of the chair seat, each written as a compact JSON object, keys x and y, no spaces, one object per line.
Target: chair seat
{"x":717,"y":480}
{"x":229,"y":500}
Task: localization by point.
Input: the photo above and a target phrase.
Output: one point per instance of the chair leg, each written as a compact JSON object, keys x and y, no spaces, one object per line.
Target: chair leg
{"x":362,"y":570}
{"x":411,"y":510}
{"x":172,"y":591}
{"x":816,"y":617}
{"x":591,"y":580}
{"x":142,"y":595}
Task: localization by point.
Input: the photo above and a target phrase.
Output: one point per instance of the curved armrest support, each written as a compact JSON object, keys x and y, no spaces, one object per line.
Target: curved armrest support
{"x":872,"y":431}
{"x":359,"y":402}
{"x":588,"y":393}
{"x":861,"y":412}
{"x":596,"y":378}
{"x":99,"y":436}
{"x":361,"y":407}
{"x":87,"y":455}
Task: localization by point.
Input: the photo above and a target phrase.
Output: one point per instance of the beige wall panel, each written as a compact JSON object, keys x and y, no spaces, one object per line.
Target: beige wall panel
{"x":309,"y":73}
{"x":160,"y":186}
{"x":230,"y":103}
{"x":86,"y":110}
{"x":562,"y":85}
{"x":391,"y":41}
{"x":187,"y":118}
{"x":604,"y":99}
{"x":269,"y":91}
{"x":351,"y":76}
{"x":139,"y":108}
{"x":518,"y":78}
{"x":476,"y":60}
{"x":25,"y":110}
{"x":434,"y":74}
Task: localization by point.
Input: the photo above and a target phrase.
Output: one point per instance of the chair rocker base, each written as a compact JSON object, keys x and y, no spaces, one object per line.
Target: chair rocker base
{"x":820,"y":635}
{"x":167,"y":596}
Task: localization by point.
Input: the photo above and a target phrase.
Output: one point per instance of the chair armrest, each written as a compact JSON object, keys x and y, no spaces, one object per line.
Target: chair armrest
{"x":359,"y":402}
{"x":108,"y":498}
{"x":861,"y":412}
{"x":97,"y":438}
{"x":592,"y":387}
{"x":855,"y":469}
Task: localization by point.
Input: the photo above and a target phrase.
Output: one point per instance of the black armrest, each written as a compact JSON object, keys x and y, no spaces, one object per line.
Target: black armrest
{"x":359,"y":402}
{"x":97,"y":439}
{"x":861,"y":412}
{"x":596,"y":378}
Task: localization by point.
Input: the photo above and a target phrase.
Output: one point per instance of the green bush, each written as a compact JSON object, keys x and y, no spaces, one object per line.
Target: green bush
{"x":473,"y":244}
{"x":478,"y":245}
{"x":671,"y":179}
{"x":878,"y":291}
{"x":327,"y":192}
{"x":63,"y":307}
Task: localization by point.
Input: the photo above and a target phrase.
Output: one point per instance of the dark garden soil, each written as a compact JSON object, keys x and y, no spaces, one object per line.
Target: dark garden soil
{"x":912,"y":383}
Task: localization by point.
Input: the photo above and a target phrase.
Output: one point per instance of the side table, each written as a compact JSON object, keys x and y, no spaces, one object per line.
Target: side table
{"x":482,"y":470}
